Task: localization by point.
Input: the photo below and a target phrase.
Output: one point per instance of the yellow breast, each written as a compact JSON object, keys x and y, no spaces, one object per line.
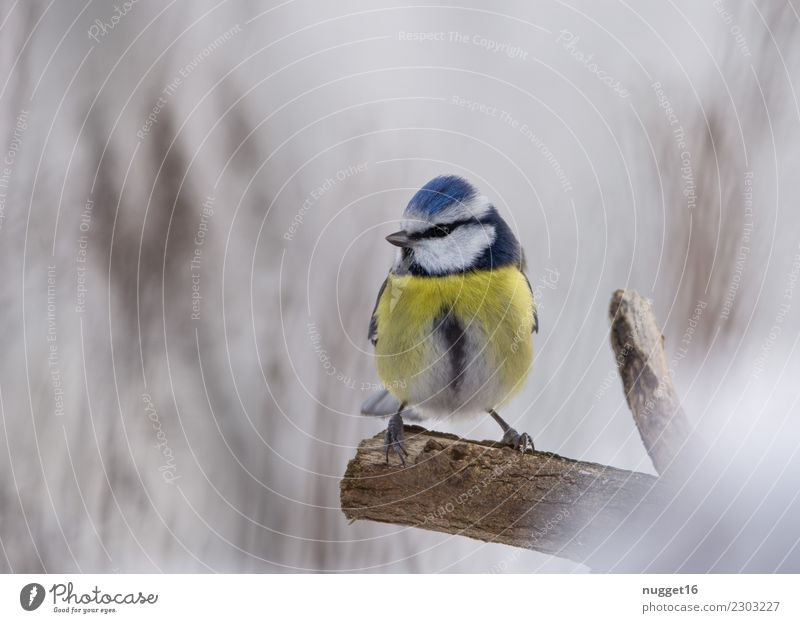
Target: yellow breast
{"x":497,"y":304}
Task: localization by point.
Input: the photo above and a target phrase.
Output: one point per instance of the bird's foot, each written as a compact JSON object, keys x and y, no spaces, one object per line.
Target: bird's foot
{"x":518,"y":441}
{"x":393,"y":439}
{"x":511,"y":437}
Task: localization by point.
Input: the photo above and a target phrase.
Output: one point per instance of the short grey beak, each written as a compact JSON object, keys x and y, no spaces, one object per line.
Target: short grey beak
{"x":399,"y":239}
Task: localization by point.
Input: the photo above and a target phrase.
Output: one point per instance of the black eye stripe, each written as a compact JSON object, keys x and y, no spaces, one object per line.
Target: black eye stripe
{"x":440,"y":231}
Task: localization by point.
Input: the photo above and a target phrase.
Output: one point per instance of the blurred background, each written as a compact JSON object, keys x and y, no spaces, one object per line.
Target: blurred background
{"x":193,"y":201}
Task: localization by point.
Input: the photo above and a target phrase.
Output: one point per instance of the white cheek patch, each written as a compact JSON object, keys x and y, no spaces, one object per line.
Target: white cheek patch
{"x":455,"y":252}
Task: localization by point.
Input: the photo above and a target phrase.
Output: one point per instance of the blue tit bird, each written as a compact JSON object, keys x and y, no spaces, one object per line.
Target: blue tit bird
{"x":452,"y":326}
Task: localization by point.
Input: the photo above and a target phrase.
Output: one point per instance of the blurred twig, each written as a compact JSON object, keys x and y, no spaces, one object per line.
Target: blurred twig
{"x":639,"y":349}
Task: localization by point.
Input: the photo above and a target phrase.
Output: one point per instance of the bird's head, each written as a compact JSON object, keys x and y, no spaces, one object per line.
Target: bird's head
{"x":449,"y":227}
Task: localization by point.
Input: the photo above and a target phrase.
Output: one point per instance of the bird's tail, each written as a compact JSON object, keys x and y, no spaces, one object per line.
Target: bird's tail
{"x":383,"y":404}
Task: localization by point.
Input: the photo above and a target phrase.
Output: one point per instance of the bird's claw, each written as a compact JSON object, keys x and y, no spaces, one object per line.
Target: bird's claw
{"x":518,"y":441}
{"x":393,"y":440}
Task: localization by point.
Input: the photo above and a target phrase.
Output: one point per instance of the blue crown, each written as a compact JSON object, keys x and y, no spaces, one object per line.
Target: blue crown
{"x":439,"y":193}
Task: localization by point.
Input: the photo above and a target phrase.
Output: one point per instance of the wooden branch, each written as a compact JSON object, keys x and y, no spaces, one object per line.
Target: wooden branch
{"x":639,"y":348}
{"x":483,"y":490}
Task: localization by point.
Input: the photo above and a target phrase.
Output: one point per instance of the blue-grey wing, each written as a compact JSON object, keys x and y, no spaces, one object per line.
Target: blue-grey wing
{"x":523,"y":267}
{"x":373,"y":321}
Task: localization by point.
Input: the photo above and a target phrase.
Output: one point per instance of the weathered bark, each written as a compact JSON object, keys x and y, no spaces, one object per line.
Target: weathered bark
{"x":639,"y":348}
{"x":482,"y":490}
